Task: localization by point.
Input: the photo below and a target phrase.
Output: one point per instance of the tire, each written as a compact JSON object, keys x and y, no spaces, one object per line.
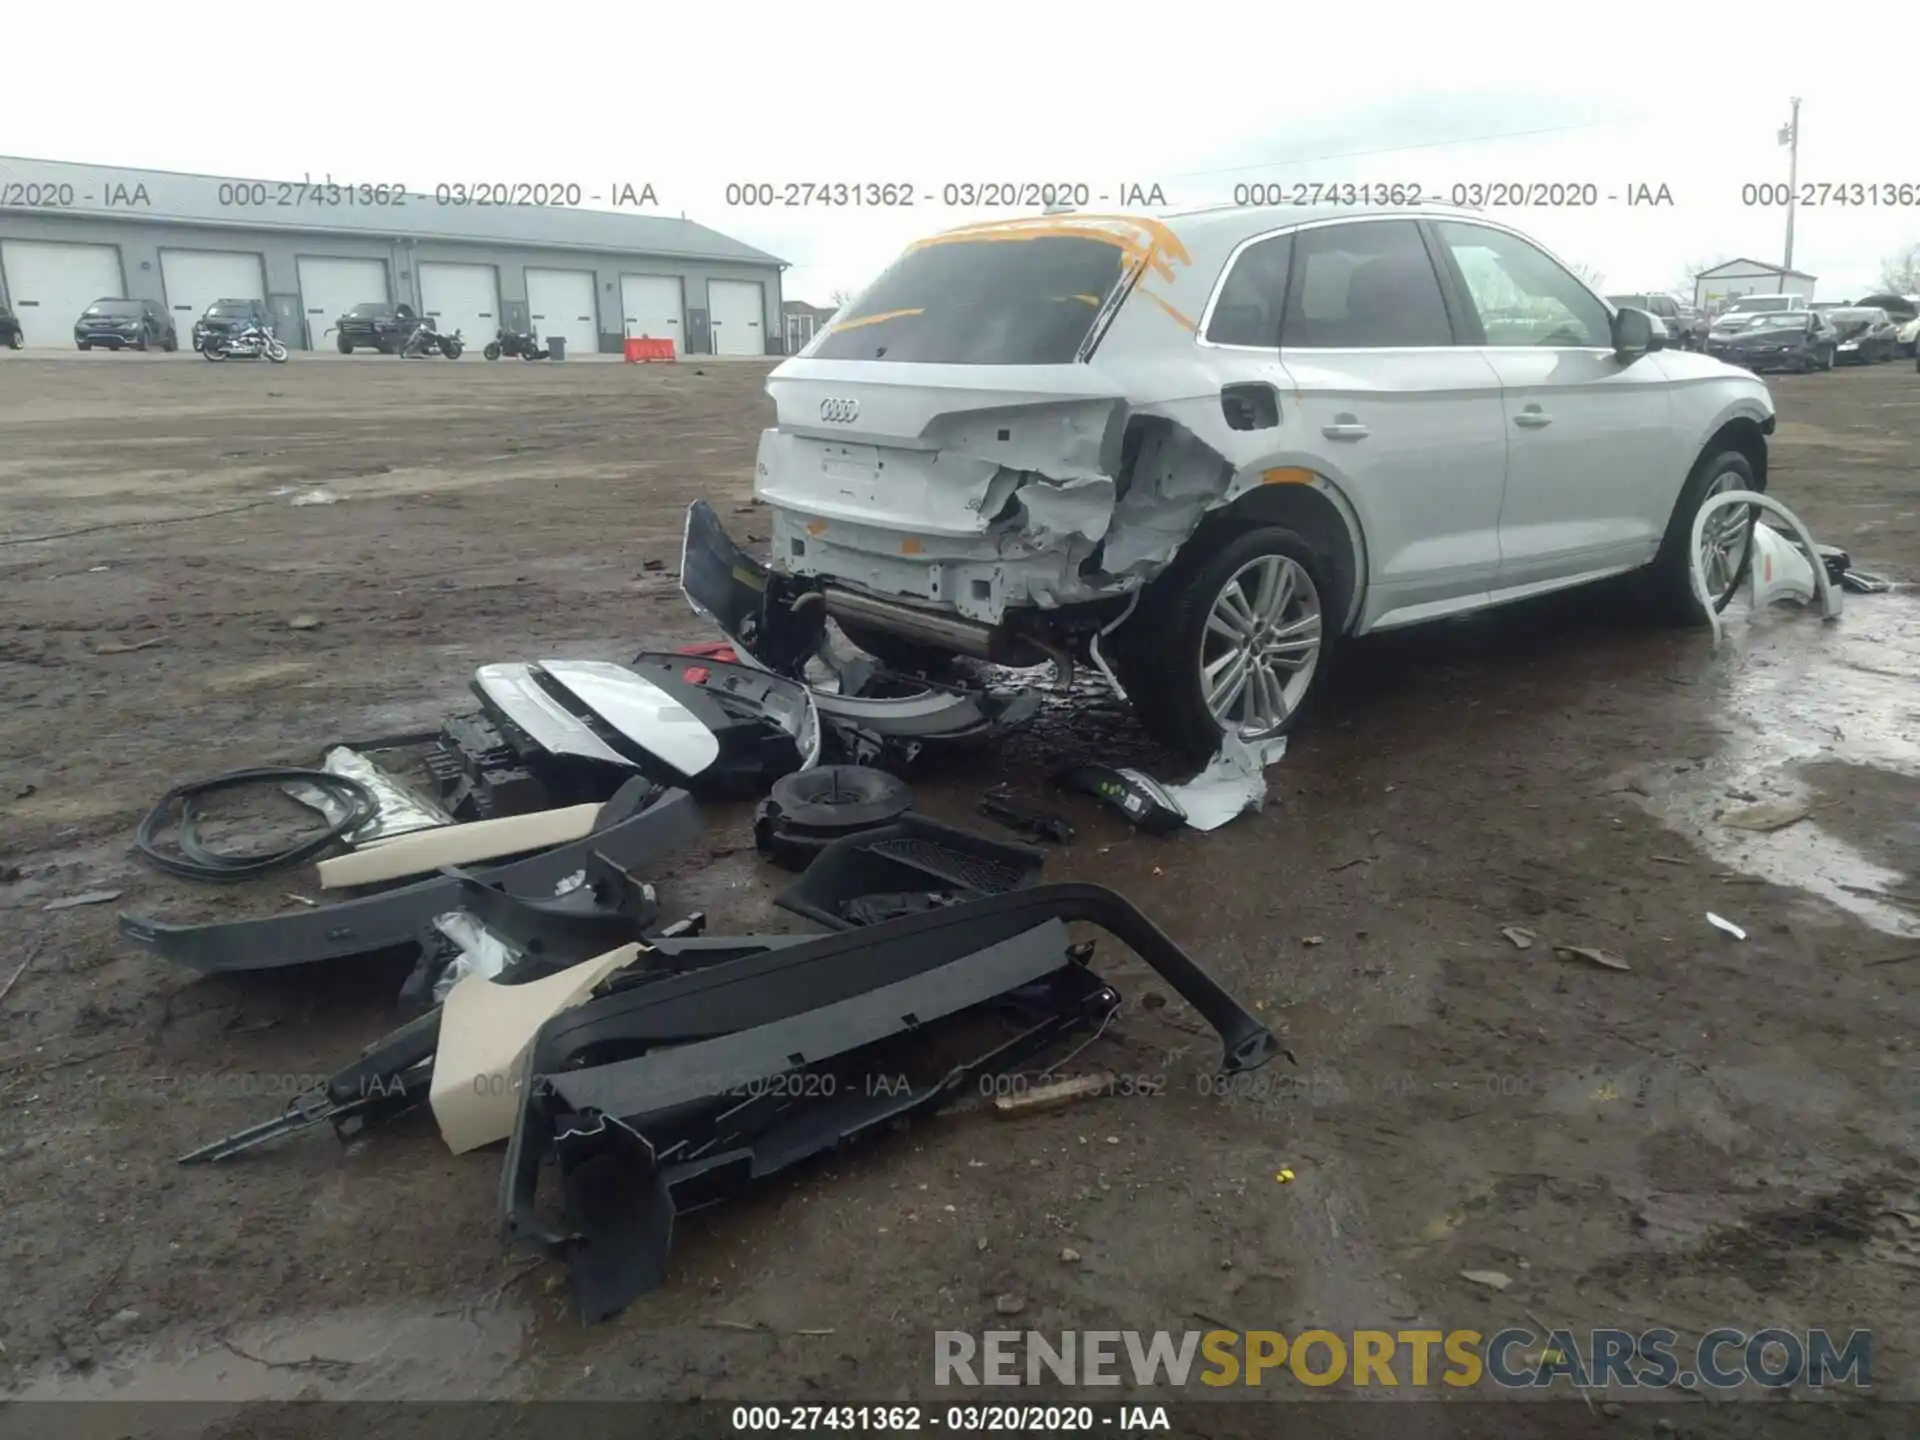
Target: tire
{"x":17,"y":340}
{"x":810,"y":808}
{"x":452,"y":349}
{"x":141,"y":343}
{"x":1176,"y":635}
{"x":83,"y":345}
{"x":896,"y":653}
{"x":277,"y":353}
{"x":213,"y":352}
{"x":492,"y":352}
{"x":1668,"y":580}
{"x":343,"y":345}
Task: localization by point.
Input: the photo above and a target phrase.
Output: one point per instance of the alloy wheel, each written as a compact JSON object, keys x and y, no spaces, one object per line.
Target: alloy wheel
{"x":1260,"y":646}
{"x":1724,"y":540}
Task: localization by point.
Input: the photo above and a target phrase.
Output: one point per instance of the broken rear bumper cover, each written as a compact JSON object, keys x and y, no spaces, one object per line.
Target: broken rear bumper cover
{"x":662,"y":1097}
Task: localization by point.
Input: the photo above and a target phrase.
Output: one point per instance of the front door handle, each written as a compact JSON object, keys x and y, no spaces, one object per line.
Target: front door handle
{"x":1345,"y":429}
{"x":1533,"y":418}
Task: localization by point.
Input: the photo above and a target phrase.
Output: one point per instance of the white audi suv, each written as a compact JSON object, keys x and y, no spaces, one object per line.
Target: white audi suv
{"x":1203,"y":451}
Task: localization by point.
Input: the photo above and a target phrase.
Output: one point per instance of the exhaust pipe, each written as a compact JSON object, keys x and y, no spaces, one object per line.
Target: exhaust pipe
{"x":949,"y":632}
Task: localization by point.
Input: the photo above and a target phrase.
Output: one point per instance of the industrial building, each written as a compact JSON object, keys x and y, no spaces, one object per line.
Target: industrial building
{"x":72,"y":233}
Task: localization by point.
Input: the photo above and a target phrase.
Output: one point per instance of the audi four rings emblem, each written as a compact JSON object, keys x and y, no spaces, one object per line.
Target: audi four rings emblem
{"x":840,"y":412}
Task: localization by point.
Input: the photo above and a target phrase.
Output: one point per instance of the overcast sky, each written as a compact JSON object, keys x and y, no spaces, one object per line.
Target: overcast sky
{"x":1196,"y":97}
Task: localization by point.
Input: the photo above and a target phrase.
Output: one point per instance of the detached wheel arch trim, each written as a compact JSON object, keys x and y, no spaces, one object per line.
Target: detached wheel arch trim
{"x":1696,"y":568}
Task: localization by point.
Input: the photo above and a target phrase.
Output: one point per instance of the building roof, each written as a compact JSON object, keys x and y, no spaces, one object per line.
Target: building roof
{"x":309,"y":207}
{"x":1757,"y":265}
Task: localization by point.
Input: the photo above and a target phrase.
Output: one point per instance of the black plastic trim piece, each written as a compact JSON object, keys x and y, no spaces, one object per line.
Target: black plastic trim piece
{"x":394,"y":919}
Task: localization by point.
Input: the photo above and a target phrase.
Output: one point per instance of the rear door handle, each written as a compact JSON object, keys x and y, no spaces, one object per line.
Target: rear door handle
{"x":1533,"y":418}
{"x":1345,"y":430}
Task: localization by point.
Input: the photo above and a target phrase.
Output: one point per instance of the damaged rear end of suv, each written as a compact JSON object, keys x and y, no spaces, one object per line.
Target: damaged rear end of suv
{"x":1200,"y":453}
{"x":1000,"y":445}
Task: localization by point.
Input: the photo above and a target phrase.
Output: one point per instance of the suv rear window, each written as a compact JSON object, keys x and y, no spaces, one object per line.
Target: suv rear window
{"x":1025,"y":300}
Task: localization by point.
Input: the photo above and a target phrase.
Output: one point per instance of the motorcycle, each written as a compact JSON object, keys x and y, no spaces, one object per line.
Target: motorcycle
{"x":424,"y":339}
{"x":512,"y":342}
{"x":248,"y":343}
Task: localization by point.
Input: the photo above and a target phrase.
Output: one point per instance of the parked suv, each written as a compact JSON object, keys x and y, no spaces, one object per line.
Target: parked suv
{"x":375,"y":325}
{"x":228,"y":317}
{"x":1674,"y":313}
{"x":119,"y":323}
{"x":1737,"y":314}
{"x":1204,"y":451}
{"x":11,"y":335}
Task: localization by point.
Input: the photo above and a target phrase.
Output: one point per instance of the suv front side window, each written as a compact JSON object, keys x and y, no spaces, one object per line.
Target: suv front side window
{"x":1524,"y":297}
{"x":1369,"y":285}
{"x":1248,"y":310}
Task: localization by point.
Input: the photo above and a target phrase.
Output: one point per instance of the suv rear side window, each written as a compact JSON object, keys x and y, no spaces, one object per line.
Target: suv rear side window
{"x":1365,"y":286}
{"x":1025,"y":300}
{"x":1522,"y":295}
{"x":1248,"y":310}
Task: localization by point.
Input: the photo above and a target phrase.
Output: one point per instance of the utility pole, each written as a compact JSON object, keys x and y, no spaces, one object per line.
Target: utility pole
{"x":1790,"y":137}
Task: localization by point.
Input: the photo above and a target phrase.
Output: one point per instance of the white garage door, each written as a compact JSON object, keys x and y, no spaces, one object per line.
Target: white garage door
{"x":196,"y":278}
{"x":735,"y":314}
{"x":330,"y":288}
{"x":650,"y":307}
{"x":461,"y":297}
{"x":560,"y":302}
{"x":49,"y":285}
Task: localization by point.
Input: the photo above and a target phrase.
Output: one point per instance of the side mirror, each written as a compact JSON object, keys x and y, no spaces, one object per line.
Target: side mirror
{"x":1632,"y":335}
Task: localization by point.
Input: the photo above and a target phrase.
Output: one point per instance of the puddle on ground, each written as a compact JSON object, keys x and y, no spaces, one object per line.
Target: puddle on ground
{"x":445,"y":1354}
{"x":1793,"y":690}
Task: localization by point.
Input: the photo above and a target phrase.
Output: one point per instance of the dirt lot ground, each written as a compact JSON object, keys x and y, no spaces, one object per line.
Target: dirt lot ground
{"x":1720,"y":1135}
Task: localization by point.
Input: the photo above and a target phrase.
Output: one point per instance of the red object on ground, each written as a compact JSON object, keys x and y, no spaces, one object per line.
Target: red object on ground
{"x":640,"y":352}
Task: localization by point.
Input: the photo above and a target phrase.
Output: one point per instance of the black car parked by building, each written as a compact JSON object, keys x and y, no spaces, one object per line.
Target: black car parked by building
{"x":11,"y":335}
{"x":229,"y":317}
{"x":375,"y":325}
{"x":1780,"y":340}
{"x":122,"y":324}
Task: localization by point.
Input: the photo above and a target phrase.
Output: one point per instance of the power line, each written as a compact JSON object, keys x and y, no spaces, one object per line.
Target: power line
{"x":1397,"y":149}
